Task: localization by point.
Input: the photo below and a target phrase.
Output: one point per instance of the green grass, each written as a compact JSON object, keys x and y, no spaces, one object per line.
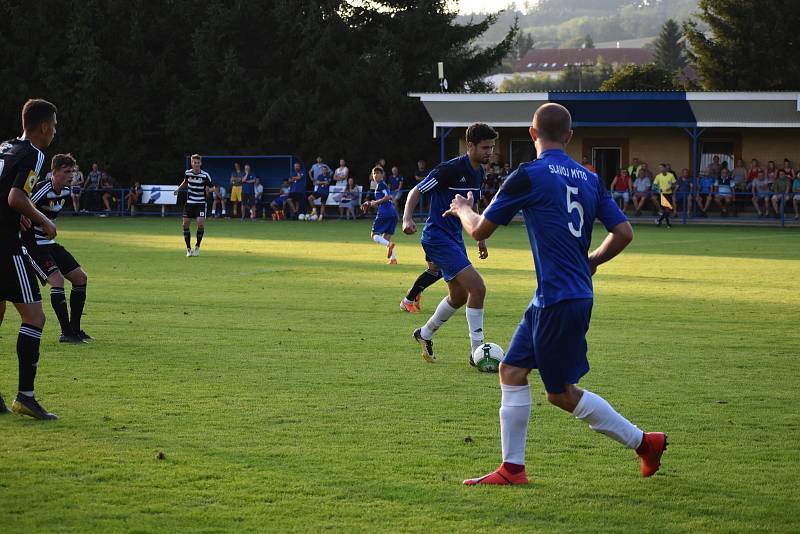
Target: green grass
{"x":277,"y":376}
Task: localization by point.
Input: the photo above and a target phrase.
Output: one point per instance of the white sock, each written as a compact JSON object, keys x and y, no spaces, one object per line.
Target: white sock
{"x":379,"y":239}
{"x":515,"y":411}
{"x":475,"y":324}
{"x":604,"y":419}
{"x":394,"y":256}
{"x":443,"y":312}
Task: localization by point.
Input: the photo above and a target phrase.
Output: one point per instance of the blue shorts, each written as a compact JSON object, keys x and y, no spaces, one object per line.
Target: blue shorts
{"x":449,"y":256}
{"x":553,"y":340}
{"x":384,"y":225}
{"x":281,"y":200}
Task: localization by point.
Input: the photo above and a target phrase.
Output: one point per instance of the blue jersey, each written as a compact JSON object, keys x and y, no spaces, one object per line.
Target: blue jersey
{"x":387,"y":208}
{"x":560,"y":200}
{"x":705,"y":185}
{"x":322,"y":183}
{"x":443,"y":183}
{"x":249,"y":184}
{"x":394,"y":182}
{"x":298,"y":186}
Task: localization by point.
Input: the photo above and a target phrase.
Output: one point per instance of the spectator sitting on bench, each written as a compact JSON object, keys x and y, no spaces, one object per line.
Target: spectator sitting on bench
{"x":133,"y":197}
{"x":780,"y":191}
{"x":348,"y":201}
{"x":107,"y":189}
{"x":761,"y":192}
{"x":218,"y":196}
{"x":283,"y":202}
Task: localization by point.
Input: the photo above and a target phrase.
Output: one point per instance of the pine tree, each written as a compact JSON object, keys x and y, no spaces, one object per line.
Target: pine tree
{"x":669,"y":50}
{"x":640,"y":78}
{"x":588,"y":42}
{"x":753,"y":44}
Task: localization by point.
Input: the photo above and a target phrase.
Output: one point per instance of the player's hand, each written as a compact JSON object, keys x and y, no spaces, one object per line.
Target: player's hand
{"x":592,"y":266}
{"x":24,"y":223}
{"x":458,"y":203}
{"x":409,"y":226}
{"x":365,"y":207}
{"x":49,"y":229}
{"x":483,"y":252}
{"x":175,"y":192}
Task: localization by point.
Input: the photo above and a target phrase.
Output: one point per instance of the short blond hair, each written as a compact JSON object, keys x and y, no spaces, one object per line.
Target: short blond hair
{"x":198,"y":157}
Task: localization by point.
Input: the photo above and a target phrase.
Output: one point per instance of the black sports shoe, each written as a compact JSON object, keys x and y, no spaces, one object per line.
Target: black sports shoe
{"x":3,"y":408}
{"x":70,"y":338}
{"x":24,"y":405}
{"x":426,"y":345}
{"x":86,"y":337}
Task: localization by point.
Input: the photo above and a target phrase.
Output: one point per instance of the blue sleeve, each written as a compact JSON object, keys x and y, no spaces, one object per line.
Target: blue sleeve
{"x":607,"y":210}
{"x":513,"y":195}
{"x":438,"y":178}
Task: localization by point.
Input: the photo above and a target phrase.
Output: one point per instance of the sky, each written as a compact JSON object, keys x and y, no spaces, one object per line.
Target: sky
{"x":482,"y":6}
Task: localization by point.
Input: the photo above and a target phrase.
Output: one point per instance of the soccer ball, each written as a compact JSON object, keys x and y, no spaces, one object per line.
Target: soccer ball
{"x":313,"y":217}
{"x":301,"y":217}
{"x":487,"y":357}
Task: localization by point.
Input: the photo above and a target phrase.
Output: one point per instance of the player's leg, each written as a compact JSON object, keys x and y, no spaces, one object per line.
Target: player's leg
{"x":515,"y":407}
{"x":187,"y":234}
{"x":200,"y":222}
{"x":77,"y":300}
{"x":390,"y":250}
{"x":311,"y":198}
{"x":411,"y":302}
{"x":471,"y":281}
{"x":795,"y":203}
{"x":20,"y":286}
{"x":58,"y":299}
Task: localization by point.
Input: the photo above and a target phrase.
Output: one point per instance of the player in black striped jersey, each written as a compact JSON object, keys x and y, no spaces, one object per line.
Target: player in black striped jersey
{"x":20,"y":164}
{"x":198,"y":183}
{"x":52,"y":261}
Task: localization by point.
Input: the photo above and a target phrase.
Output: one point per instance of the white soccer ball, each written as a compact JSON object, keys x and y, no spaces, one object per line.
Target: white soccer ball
{"x":313,"y":217}
{"x":301,"y":217}
{"x":487,"y":357}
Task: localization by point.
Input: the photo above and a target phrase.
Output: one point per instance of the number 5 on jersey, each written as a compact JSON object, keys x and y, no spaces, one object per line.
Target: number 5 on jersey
{"x":574,"y":205}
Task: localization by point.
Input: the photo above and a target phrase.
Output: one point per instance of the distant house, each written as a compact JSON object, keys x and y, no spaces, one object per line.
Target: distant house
{"x":551,"y":61}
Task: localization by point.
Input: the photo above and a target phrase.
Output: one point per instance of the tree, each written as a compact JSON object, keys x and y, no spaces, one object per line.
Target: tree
{"x":747,"y":49}
{"x":641,"y":78}
{"x":525,"y":42}
{"x":588,"y":42}
{"x":670,"y":53}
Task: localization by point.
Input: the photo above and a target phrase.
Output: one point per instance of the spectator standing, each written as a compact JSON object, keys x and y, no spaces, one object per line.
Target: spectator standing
{"x":752,"y":172}
{"x":93,"y":187}
{"x":633,"y":169}
{"x":236,"y":188}
{"x":772,"y":172}
{"x":715,"y":167}
{"x":396,"y":186}
{"x":787,"y":168}
{"x":705,"y":187}
{"x":316,"y":169}
{"x":248,"y":192}
{"x":780,"y":191}
{"x":321,"y":191}
{"x":683,"y":192}
{"x":298,"y":186}
{"x":259,"y":197}
{"x":76,"y":189}
{"x":740,"y":176}
{"x":723,"y":191}
{"x":621,"y":188}
{"x":341,"y":174}
{"x":587,"y":164}
{"x":761,"y":193}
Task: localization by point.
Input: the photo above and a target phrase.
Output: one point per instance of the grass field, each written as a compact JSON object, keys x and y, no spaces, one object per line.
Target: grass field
{"x":277,"y":376}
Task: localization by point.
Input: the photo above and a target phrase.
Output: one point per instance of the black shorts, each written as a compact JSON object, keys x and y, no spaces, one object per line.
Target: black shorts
{"x":18,"y":279}
{"x":193,"y":211}
{"x":48,"y":259}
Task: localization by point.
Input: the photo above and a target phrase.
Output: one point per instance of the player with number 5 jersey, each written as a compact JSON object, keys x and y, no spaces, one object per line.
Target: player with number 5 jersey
{"x":559,"y":199}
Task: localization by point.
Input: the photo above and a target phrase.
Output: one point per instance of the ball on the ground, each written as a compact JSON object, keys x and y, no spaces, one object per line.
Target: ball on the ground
{"x":301,"y":217}
{"x":313,"y":217}
{"x":487,"y":357}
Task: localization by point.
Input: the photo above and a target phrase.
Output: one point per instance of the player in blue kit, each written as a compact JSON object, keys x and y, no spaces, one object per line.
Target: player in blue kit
{"x":386,"y":219}
{"x":442,"y":239}
{"x":560,"y":200}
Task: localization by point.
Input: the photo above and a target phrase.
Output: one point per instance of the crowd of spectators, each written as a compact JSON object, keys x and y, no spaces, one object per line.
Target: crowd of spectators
{"x":771,"y":191}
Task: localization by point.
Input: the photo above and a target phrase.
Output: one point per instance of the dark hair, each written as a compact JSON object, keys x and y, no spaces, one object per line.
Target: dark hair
{"x":62,"y":160}
{"x":36,"y":112}
{"x":480,"y":132}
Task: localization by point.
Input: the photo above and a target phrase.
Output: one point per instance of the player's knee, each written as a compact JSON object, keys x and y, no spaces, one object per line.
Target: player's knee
{"x":55,"y":280}
{"x":513,"y":376}
{"x":80,"y":278}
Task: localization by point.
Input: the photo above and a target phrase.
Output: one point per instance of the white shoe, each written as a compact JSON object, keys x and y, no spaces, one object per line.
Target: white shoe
{"x":188,"y":253}
{"x":196,"y":251}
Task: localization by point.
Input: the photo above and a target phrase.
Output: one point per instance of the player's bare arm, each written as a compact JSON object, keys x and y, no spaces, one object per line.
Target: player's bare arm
{"x":615,"y":242}
{"x":183,"y":184}
{"x":477,"y":226}
{"x":409,"y":226}
{"x":19,"y":202}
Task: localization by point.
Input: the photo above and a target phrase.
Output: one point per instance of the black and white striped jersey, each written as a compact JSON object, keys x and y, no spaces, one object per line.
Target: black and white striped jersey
{"x":197,"y":184}
{"x":20,"y":165}
{"x":50,"y":203}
